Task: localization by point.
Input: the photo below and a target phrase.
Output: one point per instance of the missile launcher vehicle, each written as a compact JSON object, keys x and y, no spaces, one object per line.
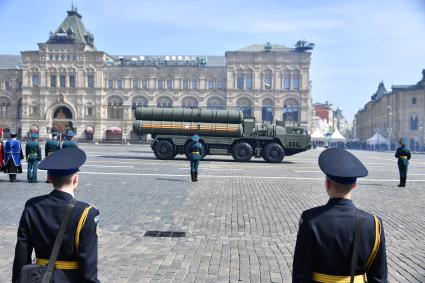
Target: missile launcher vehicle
{"x":222,"y":132}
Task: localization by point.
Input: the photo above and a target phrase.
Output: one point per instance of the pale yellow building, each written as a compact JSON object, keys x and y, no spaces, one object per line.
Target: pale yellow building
{"x":68,"y":83}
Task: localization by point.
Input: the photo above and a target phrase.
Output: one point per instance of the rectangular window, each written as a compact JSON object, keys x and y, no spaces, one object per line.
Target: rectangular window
{"x":296,"y":82}
{"x":35,"y":81}
{"x":210,"y":85}
{"x":90,"y":111}
{"x":249,"y":82}
{"x":414,"y":123}
{"x":119,"y":83}
{"x":62,"y":81}
{"x":194,"y":84}
{"x":268,"y":81}
{"x":7,"y":86}
{"x":220,"y":85}
{"x":413,"y":100}
{"x":72,"y":81}
{"x":286,"y":83}
{"x":145,"y":84}
{"x":169,"y":84}
{"x":185,"y":84}
{"x":135,"y":83}
{"x":52,"y":81}
{"x":160,"y":84}
{"x":110,"y":83}
{"x":239,"y":83}
{"x":90,"y":81}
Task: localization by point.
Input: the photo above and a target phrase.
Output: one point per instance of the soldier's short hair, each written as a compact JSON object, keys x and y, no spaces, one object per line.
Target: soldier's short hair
{"x":61,"y":181}
{"x":342,"y":188}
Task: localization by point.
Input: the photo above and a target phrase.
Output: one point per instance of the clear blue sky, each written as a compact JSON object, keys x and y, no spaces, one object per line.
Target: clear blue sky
{"x":358,"y":42}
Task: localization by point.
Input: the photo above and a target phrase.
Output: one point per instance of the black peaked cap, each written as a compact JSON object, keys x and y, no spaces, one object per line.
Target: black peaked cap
{"x":64,"y":159}
{"x":340,"y":163}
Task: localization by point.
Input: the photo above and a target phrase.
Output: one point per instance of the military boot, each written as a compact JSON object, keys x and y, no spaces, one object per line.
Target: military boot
{"x":401,"y":182}
{"x":404,"y":182}
{"x":192,"y":175}
{"x":196,"y":177}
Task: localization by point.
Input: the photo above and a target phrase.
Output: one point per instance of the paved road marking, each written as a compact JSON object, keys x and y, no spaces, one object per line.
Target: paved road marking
{"x":109,"y":166}
{"x":230,"y":176}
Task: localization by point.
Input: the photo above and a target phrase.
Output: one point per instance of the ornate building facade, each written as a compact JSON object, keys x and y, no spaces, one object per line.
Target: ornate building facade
{"x":394,"y":114}
{"x":67,"y":83}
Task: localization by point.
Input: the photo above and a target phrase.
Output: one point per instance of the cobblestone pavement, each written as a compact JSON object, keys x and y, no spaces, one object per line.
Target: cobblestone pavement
{"x":241,"y":219}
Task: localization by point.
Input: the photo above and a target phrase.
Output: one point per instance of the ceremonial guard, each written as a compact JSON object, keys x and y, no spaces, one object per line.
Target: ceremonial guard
{"x":1,"y":150}
{"x":52,"y":145}
{"x":77,"y":255}
{"x":338,"y":242}
{"x":12,"y":157}
{"x":196,"y":151}
{"x":33,"y":155}
{"x":403,"y":155}
{"x":69,"y":140}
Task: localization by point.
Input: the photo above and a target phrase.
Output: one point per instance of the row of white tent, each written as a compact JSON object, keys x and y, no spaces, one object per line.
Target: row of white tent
{"x":336,"y":136}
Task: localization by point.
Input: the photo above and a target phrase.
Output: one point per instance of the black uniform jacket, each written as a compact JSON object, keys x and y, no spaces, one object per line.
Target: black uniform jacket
{"x":38,"y":227}
{"x":325,"y":243}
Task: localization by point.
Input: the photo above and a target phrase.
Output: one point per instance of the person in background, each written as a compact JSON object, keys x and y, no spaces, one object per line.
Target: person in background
{"x":69,"y":140}
{"x":403,"y":156}
{"x":12,"y":157}
{"x":196,"y":151}
{"x":1,"y":149}
{"x":33,"y":155}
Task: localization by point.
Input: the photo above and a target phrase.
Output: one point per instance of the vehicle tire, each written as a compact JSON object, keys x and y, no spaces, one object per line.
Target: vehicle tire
{"x":242,"y":152}
{"x":273,"y":153}
{"x":187,"y":149}
{"x":164,"y":150}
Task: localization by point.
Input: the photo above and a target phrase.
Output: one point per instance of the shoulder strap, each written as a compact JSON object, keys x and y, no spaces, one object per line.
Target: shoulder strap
{"x":80,"y":225}
{"x":376,"y":244}
{"x":357,"y":238}
{"x":58,"y":242}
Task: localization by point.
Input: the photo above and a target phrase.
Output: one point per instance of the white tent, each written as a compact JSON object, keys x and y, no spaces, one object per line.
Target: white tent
{"x":377,"y":139}
{"x":317,"y":135}
{"x":337,"y":137}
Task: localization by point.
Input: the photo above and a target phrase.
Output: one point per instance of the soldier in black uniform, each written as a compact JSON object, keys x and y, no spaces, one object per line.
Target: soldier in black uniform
{"x":325,"y":250}
{"x":403,"y":155}
{"x":196,"y":150}
{"x":41,"y":219}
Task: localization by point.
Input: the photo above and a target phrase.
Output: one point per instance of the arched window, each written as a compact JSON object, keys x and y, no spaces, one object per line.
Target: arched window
{"x":267,"y":79}
{"x":164,"y":102}
{"x":115,"y":107}
{"x":267,"y":110}
{"x":189,"y":102}
{"x":244,"y":105}
{"x":4,"y":107}
{"x":291,"y":111}
{"x":215,"y":103}
{"x":139,"y":101}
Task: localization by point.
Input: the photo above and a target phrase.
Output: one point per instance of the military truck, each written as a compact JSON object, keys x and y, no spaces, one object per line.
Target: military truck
{"x":222,"y":132}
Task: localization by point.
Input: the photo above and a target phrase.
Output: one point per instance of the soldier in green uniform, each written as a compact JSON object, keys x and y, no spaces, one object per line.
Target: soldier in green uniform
{"x":52,"y":145}
{"x":196,"y":150}
{"x":403,"y":155}
{"x":33,"y":156}
{"x":69,"y":140}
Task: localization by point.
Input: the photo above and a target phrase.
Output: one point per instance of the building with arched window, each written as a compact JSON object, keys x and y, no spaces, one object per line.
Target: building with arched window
{"x":68,"y":83}
{"x":394,"y":114}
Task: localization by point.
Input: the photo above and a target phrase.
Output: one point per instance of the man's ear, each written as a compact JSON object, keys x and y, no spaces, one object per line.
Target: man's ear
{"x":353,"y":186}
{"x":75,"y":180}
{"x":327,"y":183}
{"x":49,"y":179}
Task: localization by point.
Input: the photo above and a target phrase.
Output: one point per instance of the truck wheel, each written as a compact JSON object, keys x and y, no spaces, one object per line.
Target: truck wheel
{"x":242,"y":152}
{"x":273,"y":153}
{"x":164,"y":150}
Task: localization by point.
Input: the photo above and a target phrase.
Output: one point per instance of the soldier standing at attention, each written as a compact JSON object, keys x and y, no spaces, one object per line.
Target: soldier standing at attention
{"x":196,"y":150}
{"x":338,"y":242}
{"x":33,"y":155}
{"x":403,"y":155}
{"x":52,"y":145}
{"x":12,"y":157}
{"x":42,"y":217}
{"x":69,"y":140}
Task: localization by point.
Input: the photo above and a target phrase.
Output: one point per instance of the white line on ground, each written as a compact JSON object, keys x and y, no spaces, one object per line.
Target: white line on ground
{"x":109,"y":166}
{"x":243,"y":177}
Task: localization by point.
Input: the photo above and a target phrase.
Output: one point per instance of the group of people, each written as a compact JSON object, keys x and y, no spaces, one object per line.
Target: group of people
{"x":11,"y":153}
{"x":336,"y":242}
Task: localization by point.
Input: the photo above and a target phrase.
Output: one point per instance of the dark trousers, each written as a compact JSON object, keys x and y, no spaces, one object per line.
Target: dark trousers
{"x":32,"y":171}
{"x":402,"y":169}
{"x":194,"y":164}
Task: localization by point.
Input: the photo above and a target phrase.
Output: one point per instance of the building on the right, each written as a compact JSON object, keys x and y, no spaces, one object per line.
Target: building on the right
{"x":394,"y":114}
